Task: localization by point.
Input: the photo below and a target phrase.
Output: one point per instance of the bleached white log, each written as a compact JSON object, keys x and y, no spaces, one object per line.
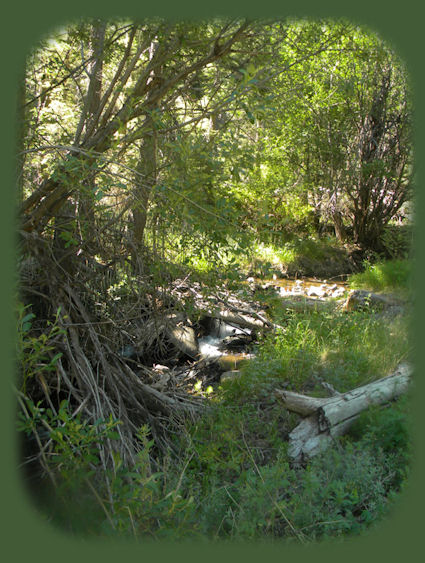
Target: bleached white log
{"x":326,"y":419}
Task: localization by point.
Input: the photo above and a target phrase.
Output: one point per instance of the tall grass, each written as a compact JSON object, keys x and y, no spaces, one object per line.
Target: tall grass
{"x":382,"y":276}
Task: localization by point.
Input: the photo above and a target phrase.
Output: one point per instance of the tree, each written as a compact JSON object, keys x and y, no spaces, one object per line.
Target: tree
{"x":194,"y":137}
{"x":138,"y":91}
{"x":349,"y":127}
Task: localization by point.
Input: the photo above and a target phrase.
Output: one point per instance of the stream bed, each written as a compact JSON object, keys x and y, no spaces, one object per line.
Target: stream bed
{"x":229,"y":344}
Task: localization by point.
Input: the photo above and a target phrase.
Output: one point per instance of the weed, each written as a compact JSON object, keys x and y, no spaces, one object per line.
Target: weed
{"x":34,"y":353}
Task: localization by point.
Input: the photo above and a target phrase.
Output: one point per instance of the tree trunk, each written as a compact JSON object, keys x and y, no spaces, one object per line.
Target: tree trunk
{"x":145,"y":181}
{"x":92,"y":99}
{"x":369,"y":219}
{"x":39,"y":208}
{"x":64,"y":238}
{"x":339,"y":226}
{"x":86,"y":203}
{"x":146,"y":172}
{"x":325,"y":419}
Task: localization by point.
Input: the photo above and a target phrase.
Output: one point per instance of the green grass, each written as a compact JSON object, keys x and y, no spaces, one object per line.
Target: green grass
{"x":391,"y":275}
{"x":346,"y":350}
{"x":239,"y":473}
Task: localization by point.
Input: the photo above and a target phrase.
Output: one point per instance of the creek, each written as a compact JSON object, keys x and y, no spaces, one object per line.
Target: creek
{"x":211,"y":345}
{"x":228,"y":343}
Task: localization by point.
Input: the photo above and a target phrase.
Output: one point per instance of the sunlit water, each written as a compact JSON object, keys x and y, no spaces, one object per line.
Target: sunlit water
{"x":308,"y":287}
{"x":209,"y":345}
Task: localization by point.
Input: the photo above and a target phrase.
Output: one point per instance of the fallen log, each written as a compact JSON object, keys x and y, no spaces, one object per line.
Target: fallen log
{"x":227,"y":308}
{"x":242,"y":320}
{"x":327,"y":418}
{"x":184,"y":339}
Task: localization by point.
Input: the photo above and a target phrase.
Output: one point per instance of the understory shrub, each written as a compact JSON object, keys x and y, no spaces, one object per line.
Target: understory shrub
{"x":397,"y":241}
{"x":386,"y":429}
{"x":340,"y":492}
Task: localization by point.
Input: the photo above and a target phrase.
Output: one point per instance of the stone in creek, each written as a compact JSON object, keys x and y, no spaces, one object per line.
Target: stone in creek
{"x":339,"y":292}
{"x":359,"y":299}
{"x":316,"y":291}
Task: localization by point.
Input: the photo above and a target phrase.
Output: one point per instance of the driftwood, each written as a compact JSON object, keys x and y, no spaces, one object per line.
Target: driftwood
{"x":239,"y":319}
{"x":327,"y":418}
{"x":184,"y":339}
{"x":240,"y":316}
{"x":225,"y":307}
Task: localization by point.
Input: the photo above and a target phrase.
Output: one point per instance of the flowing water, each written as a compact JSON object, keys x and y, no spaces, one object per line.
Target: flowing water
{"x":211,"y":345}
{"x":308,"y":287}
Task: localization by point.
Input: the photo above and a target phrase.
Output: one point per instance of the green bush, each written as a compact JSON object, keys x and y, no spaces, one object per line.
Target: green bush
{"x":386,"y":430}
{"x":397,"y":241}
{"x":341,"y":492}
{"x":34,"y":354}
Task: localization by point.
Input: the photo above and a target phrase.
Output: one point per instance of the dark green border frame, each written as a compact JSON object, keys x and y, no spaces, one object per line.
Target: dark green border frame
{"x":25,"y":536}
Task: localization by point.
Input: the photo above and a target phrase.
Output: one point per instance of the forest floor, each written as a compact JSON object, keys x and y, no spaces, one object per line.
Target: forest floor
{"x":218,"y":467}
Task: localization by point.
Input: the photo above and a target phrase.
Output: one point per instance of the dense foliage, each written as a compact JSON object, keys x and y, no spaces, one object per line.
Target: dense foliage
{"x":203,"y":133}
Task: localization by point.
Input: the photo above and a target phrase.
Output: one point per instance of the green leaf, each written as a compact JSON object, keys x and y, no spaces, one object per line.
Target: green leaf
{"x":56,"y":357}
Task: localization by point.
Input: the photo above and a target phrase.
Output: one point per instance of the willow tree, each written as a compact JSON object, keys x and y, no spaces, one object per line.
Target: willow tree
{"x":155,"y":61}
{"x":98,"y":96}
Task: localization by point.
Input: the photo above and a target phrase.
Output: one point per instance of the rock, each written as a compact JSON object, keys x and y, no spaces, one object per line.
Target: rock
{"x":360,"y":299}
{"x":298,"y":287}
{"x":184,"y":339}
{"x":316,"y":291}
{"x":338,"y":292}
{"x":392,"y":311}
{"x":267,"y":286}
{"x":236,"y":342}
